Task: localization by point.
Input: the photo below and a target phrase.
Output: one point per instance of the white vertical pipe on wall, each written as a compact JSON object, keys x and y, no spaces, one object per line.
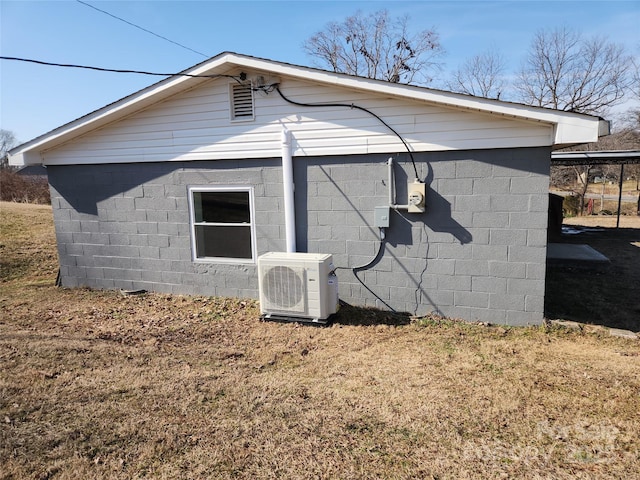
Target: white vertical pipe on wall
{"x":392,"y":196}
{"x":288,"y":186}
{"x":392,"y":191}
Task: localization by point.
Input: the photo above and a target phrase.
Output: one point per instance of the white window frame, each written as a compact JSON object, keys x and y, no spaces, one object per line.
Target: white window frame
{"x":251,"y":225}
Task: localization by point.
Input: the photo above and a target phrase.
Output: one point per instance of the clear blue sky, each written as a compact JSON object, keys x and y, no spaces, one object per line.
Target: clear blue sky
{"x":35,"y":99}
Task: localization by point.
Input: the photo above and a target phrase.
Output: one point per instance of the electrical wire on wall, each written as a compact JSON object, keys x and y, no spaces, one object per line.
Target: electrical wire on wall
{"x":376,"y":259}
{"x":419,"y":291}
{"x":381,"y":247}
{"x":345,"y":105}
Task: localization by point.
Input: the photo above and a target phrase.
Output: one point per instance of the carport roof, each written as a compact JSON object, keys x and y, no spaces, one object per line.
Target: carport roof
{"x":596,"y":157}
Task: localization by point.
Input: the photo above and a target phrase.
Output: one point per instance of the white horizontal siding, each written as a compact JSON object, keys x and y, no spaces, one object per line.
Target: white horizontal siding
{"x":195,"y":125}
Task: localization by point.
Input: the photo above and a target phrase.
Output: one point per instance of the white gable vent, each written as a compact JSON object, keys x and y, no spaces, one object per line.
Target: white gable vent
{"x":241,"y":101}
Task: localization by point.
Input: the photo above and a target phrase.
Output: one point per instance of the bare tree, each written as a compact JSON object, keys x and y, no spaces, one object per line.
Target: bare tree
{"x":566,"y":72}
{"x":582,"y":176}
{"x":376,"y":46}
{"x":481,"y":75}
{"x":631,"y":121}
{"x":7,"y":142}
{"x":562,"y":177}
{"x":635,"y":76}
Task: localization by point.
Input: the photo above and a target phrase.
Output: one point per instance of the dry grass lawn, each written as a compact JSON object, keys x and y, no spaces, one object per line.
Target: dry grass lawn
{"x":97,"y":385}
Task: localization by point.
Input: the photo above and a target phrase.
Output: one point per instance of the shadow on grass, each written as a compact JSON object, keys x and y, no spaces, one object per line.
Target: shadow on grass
{"x":362,"y":316}
{"x":607,"y":295}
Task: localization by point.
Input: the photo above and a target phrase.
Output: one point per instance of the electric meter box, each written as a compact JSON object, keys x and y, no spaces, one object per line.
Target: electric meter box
{"x":416,"y":197}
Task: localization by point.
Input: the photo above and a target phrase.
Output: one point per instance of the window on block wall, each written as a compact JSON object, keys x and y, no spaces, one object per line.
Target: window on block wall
{"x":222,"y":227}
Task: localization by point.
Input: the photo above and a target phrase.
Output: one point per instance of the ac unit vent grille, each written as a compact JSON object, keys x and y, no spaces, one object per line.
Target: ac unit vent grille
{"x":284,"y":288}
{"x":242,"y":101}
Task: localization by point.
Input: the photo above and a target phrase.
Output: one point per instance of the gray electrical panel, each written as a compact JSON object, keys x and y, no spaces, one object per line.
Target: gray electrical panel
{"x":382,"y":215}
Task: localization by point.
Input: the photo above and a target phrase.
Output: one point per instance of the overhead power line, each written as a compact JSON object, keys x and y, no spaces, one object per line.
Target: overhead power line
{"x":141,"y":28}
{"x":238,"y":78}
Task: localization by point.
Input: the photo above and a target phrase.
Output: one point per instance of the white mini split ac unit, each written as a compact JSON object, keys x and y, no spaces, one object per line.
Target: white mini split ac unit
{"x":297,"y":286}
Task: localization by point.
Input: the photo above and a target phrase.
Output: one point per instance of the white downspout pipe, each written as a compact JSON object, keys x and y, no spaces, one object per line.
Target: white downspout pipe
{"x":392,"y":198}
{"x":392,"y":183}
{"x":288,"y":186}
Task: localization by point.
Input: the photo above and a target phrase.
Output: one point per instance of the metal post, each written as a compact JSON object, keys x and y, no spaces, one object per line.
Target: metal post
{"x":620,"y":193}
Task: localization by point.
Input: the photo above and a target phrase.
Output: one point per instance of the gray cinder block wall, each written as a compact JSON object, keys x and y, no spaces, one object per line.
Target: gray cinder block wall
{"x":477,"y":253}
